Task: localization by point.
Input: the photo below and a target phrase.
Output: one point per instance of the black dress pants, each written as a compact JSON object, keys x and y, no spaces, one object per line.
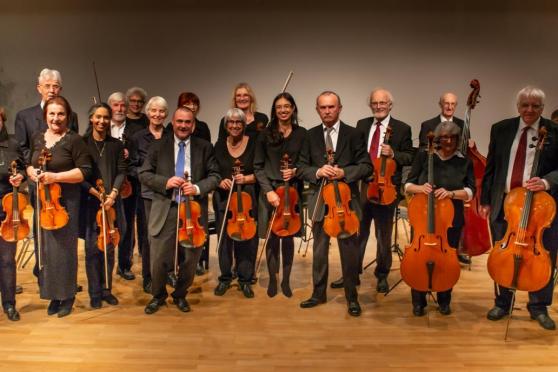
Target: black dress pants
{"x":275,"y":248}
{"x":7,"y":272}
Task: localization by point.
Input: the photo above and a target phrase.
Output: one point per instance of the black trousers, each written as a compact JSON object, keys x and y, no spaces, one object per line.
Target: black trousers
{"x":128,"y":240}
{"x":145,"y":250}
{"x":95,"y":265}
{"x":350,"y":264}
{"x":382,"y":215}
{"x":142,"y":221}
{"x":7,"y":272}
{"x":245,"y":255}
{"x":279,"y":246}
{"x":162,"y":252}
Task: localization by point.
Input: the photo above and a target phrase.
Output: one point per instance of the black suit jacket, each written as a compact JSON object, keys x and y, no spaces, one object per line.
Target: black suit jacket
{"x":158,"y":167}
{"x":430,"y":125}
{"x":350,"y":154}
{"x":401,"y":142}
{"x":30,"y":121}
{"x":502,"y":135}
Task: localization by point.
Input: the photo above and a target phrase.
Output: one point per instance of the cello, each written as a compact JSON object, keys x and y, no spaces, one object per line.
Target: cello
{"x":241,"y":225}
{"x":286,"y":221}
{"x":52,"y":215}
{"x":430,"y":263}
{"x":14,"y":227}
{"x":191,"y":233}
{"x":476,"y":237}
{"x":381,"y":190}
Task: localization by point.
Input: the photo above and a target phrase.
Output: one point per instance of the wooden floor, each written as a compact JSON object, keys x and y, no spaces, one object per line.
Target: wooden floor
{"x":232,"y":333}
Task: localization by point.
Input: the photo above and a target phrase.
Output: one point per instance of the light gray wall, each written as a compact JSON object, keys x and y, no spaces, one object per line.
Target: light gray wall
{"x":415,"y":49}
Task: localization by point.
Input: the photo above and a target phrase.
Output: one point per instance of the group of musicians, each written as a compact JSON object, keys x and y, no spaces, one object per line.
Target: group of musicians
{"x":166,"y":166}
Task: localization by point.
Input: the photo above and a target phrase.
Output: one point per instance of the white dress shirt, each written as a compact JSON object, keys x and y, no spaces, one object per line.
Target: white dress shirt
{"x":117,"y":131}
{"x":334,"y":134}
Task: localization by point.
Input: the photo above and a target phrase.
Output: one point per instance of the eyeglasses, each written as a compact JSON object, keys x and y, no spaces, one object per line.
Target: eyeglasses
{"x":528,"y":105}
{"x":238,"y":122}
{"x":51,"y":86}
{"x":447,"y":138}
{"x":379,"y":104}
{"x":137,"y":101}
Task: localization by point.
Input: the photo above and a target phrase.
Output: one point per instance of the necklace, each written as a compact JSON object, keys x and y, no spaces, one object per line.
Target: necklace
{"x":102,"y":148}
{"x":235,"y":146}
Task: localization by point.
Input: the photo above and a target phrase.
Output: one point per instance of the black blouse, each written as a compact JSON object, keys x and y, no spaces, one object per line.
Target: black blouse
{"x":9,"y":151}
{"x":252,"y":129}
{"x":108,"y":163}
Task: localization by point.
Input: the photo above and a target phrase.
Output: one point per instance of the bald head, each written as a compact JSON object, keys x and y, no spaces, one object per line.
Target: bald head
{"x":448,"y":104}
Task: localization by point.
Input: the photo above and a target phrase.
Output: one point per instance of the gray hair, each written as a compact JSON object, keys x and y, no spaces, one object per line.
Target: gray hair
{"x":136,"y":91}
{"x":116,"y":96}
{"x":388,"y":93}
{"x":48,"y":74}
{"x":157,"y":101}
{"x":450,"y":127}
{"x":530,"y":92}
{"x":235,"y":112}
{"x":329,"y":93}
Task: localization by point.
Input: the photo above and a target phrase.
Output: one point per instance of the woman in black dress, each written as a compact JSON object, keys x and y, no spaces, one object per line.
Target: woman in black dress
{"x":282,"y":136}
{"x":110,"y":166}
{"x":236,"y":145}
{"x":9,"y":151}
{"x":454,"y":179}
{"x":69,"y":166}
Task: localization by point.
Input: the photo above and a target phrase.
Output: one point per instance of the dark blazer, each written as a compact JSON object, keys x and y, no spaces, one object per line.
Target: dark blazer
{"x":502,"y":135}
{"x":430,"y":125}
{"x":401,"y":142}
{"x":158,"y":167}
{"x":350,"y":155}
{"x":9,"y":151}
{"x":30,"y":121}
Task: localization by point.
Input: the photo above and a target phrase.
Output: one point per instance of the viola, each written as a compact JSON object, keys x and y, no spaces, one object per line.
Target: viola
{"x":430,"y":263}
{"x":14,"y":227}
{"x":53,"y":215}
{"x":340,"y":221}
{"x":108,"y":233}
{"x":381,"y":190}
{"x":519,"y":260}
{"x":241,"y":225}
{"x":287,"y":220}
{"x":191,"y":233}
{"x":476,"y":237}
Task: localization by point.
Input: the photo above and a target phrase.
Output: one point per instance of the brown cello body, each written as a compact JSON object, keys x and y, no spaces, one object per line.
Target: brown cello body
{"x":287,"y":220}
{"x":241,"y":225}
{"x":191,"y":233}
{"x":14,"y":227}
{"x":381,"y":190}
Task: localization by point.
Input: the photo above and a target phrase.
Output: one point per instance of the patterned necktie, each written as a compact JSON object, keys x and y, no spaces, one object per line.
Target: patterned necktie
{"x":329,"y":142}
{"x":179,"y":167}
{"x":373,"y":150}
{"x":519,"y":163}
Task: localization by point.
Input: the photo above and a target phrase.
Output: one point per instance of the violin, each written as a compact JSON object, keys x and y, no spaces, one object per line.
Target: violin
{"x":287,"y":220}
{"x":241,"y":225}
{"x":429,"y":262}
{"x":191,"y":233}
{"x":53,"y":215}
{"x":519,"y":260}
{"x":476,"y":237}
{"x":108,"y":233}
{"x":381,"y":190}
{"x":340,"y":221}
{"x":14,"y":227}
{"x":126,"y":187}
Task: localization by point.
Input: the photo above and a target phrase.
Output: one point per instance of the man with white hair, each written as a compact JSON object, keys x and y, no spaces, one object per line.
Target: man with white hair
{"x":510,"y":160}
{"x":448,"y":104}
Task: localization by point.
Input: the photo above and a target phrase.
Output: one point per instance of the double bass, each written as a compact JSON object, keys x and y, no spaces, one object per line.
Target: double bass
{"x":430,"y":263}
{"x":14,"y":227}
{"x":381,"y":190}
{"x":241,"y":225}
{"x":191,"y":233}
{"x":286,"y":221}
{"x":52,"y":214}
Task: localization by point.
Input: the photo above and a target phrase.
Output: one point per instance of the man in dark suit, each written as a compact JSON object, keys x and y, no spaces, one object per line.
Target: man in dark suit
{"x":448,"y":104}
{"x":509,"y":162}
{"x":352,"y":164}
{"x":166,"y":161}
{"x":399,"y":148}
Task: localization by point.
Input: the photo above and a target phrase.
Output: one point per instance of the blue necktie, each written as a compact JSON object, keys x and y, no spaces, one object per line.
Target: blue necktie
{"x":179,"y":168}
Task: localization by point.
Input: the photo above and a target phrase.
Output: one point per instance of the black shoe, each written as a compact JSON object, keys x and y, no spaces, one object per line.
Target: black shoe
{"x":544,"y":321}
{"x":65,"y":307}
{"x":79,"y":288}
{"x":496,"y":313}
{"x":222,"y":288}
{"x":171,"y":279}
{"x":11,"y":313}
{"x":311,"y":302}
{"x":153,"y":306}
{"x":18,"y":289}
{"x":464,"y":259}
{"x":110,"y":299}
{"x":444,"y":309}
{"x":200,"y":270}
{"x":246,"y":290}
{"x":337,"y":283}
{"x":272,"y":287}
{"x":53,"y":307}
{"x":147,"y":286}
{"x":418,"y":310}
{"x":96,"y":303}
{"x":286,"y":289}
{"x":126,"y":274}
{"x":382,"y":286}
{"x":181,"y":304}
{"x":354,"y":308}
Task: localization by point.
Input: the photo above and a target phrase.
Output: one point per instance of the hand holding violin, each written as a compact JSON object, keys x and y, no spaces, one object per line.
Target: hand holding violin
{"x":174,"y":182}
{"x":225,"y":184}
{"x":16,"y":180}
{"x":535,"y":184}
{"x":386,"y":150}
{"x":188,"y":188}
{"x":331,"y":172}
{"x":288,"y":173}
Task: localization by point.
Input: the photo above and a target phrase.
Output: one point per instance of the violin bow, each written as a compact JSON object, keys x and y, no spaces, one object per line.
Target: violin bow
{"x":313,"y":218}
{"x":175,"y":266}
{"x":104,"y":216}
{"x":266,"y":240}
{"x":97,"y":83}
{"x":39,"y":230}
{"x":287,"y":82}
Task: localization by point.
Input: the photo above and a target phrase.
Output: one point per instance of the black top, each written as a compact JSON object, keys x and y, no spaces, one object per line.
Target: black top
{"x":267,"y":158}
{"x":142,"y":121}
{"x":140,"y":144}
{"x":9,"y":151}
{"x":202,"y":130}
{"x":252,"y":128}
{"x":108,"y":163}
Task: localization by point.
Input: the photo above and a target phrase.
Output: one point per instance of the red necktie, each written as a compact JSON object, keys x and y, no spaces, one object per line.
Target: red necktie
{"x":519,"y":163}
{"x":373,"y":151}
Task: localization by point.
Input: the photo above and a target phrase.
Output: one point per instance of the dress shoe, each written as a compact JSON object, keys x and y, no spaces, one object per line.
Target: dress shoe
{"x":153,"y":306}
{"x":545,"y":321}
{"x":337,"y":283}
{"x":311,"y":302}
{"x":147,"y":286}
{"x":246,"y":290}
{"x":382,"y":286}
{"x":171,"y":279}
{"x":18,"y":289}
{"x":464,"y":259}
{"x":65,"y":307}
{"x":418,"y":310}
{"x":53,"y":307}
{"x":181,"y":304}
{"x":96,"y":303}
{"x":354,"y":308}
{"x":110,"y":299}
{"x":286,"y":289}
{"x":496,"y":313}
{"x":13,"y":314}
{"x":200,"y":270}
{"x":222,"y":288}
{"x":272,"y":287}
{"x":126,"y":274}
{"x":444,"y":309}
